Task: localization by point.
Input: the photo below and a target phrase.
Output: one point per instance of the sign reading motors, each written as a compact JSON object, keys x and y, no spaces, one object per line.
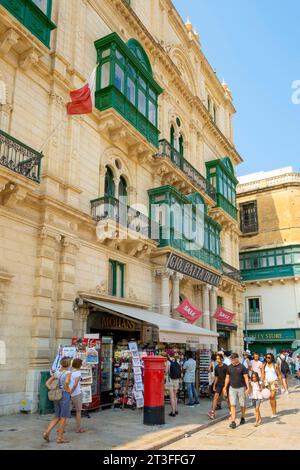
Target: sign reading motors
{"x":181,"y":265}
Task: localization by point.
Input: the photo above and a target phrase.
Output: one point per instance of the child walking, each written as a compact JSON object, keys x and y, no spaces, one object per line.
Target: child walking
{"x":256,"y":396}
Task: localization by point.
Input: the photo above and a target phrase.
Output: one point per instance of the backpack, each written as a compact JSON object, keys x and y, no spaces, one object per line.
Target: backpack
{"x":284,"y":367}
{"x":55,"y":393}
{"x":175,"y":370}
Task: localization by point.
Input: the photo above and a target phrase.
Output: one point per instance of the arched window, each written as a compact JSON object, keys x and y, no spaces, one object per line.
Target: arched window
{"x":123,"y":188}
{"x":181,"y":146}
{"x":109,"y":190}
{"x":172,"y":136}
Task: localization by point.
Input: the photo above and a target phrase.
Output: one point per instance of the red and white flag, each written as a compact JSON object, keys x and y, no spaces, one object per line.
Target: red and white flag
{"x":223,"y":316}
{"x":189,"y":311}
{"x":83,"y":100}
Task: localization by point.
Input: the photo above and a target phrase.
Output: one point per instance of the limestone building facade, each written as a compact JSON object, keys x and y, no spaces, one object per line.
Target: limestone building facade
{"x":269,"y":205}
{"x":161,"y":131}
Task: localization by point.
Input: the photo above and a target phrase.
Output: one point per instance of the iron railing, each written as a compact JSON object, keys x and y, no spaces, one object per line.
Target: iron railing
{"x":166,"y":150}
{"x":110,"y":208}
{"x":231,"y":272}
{"x":20,"y":158}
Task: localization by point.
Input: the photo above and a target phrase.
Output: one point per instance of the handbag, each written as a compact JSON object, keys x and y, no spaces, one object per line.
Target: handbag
{"x":55,"y":393}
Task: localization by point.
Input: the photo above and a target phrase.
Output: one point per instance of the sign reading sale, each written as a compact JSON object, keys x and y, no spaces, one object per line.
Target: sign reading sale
{"x":189,"y":311}
{"x":223,"y":316}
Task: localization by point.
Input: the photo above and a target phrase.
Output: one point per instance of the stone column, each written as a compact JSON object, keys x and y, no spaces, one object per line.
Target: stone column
{"x":213,"y":308}
{"x":206,"y":312}
{"x":165,"y":307}
{"x":199,"y":302}
{"x":66,"y":291}
{"x":176,"y":278}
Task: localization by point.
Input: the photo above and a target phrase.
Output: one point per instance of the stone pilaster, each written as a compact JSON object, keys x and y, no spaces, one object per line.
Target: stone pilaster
{"x":213,"y":308}
{"x":199,"y":302}
{"x":43,"y":319}
{"x":206,"y":312}
{"x":66,"y":290}
{"x":176,"y":278}
{"x":165,"y":306}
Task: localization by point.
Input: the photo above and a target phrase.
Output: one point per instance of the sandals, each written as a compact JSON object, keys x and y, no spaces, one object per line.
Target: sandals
{"x":46,"y":437}
{"x":62,"y":441}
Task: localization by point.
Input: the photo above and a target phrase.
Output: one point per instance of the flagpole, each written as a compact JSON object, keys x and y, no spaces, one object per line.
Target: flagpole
{"x":50,"y":135}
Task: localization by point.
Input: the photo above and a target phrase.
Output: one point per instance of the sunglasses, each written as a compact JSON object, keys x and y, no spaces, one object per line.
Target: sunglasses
{"x":268,"y":357}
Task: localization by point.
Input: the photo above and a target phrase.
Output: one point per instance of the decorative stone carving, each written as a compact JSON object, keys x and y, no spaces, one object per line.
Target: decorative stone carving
{"x":101,"y":288}
{"x":8,"y":40}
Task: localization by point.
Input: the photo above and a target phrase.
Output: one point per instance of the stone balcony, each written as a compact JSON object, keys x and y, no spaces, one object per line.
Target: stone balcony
{"x":20,"y":168}
{"x":122,"y":227}
{"x":176,"y":171}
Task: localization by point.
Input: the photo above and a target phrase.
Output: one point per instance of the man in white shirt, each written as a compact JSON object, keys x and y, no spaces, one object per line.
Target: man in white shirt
{"x":256,"y":365}
{"x":227,"y":361}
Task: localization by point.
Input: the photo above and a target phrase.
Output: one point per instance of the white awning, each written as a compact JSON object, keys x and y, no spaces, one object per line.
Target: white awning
{"x":170,"y":330}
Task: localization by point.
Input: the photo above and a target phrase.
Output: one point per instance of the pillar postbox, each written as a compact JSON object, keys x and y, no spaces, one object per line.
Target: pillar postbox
{"x":154,"y":390}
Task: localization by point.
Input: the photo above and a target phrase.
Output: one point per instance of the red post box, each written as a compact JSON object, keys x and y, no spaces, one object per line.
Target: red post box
{"x":154,"y":390}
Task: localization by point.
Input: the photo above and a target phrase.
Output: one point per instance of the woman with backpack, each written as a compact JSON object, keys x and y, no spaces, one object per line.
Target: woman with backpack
{"x":270,"y":377}
{"x":174,"y":372}
{"x":284,"y":369}
{"x":58,"y":386}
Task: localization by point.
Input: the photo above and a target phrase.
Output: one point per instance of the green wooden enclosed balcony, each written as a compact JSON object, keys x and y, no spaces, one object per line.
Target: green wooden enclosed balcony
{"x":125,"y":83}
{"x":181,"y":228}
{"x":35,"y":15}
{"x":18,"y":157}
{"x":220,"y":174}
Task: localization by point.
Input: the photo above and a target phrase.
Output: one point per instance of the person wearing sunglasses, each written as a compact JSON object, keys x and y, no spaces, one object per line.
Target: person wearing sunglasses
{"x":271,"y":376}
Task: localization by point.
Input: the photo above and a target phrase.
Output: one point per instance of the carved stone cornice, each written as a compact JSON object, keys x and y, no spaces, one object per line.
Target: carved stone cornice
{"x":288,"y":179}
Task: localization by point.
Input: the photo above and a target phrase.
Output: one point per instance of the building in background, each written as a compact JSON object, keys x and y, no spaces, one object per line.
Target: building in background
{"x":161,"y":133}
{"x":269,"y":204}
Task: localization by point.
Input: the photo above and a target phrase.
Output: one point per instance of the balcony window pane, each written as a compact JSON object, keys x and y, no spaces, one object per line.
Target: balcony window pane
{"x":131,"y":71}
{"x":152,"y":113}
{"x":271,"y":261}
{"x":142,"y":103}
{"x":297,"y":257}
{"x":119,"y":78}
{"x":105,"y":75}
{"x":288,"y":259}
{"x":131,"y":90}
{"x":42,"y":4}
{"x":120,"y":57}
{"x":142,"y":83}
{"x":152,"y":94}
{"x":279,"y":260}
{"x":263,"y":262}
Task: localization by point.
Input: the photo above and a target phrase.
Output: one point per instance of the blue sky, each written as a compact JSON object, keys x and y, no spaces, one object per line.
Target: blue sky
{"x":255,"y":46}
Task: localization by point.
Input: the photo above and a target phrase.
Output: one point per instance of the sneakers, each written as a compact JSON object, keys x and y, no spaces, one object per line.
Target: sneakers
{"x":274,"y":416}
{"x":232,"y":425}
{"x":172,"y":415}
{"x":190,"y":406}
{"x":176,"y":412}
{"x":211,"y":415}
{"x":242,"y":421}
{"x":196,"y":403}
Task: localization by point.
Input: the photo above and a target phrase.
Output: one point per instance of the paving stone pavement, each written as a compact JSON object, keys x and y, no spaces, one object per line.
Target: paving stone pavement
{"x":124,"y":429}
{"x":281,"y":433}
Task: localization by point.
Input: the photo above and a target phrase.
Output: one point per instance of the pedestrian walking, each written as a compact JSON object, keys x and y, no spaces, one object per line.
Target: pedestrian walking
{"x":218,"y":385}
{"x":256,"y":396}
{"x":284,"y":369}
{"x":174,"y":373}
{"x":256,"y":365}
{"x":62,"y":406}
{"x":246,"y":359}
{"x":297,"y":367}
{"x":237,"y":379}
{"x":189,"y":368}
{"x":211,"y":374}
{"x":271,"y":376}
{"x":75,"y":391}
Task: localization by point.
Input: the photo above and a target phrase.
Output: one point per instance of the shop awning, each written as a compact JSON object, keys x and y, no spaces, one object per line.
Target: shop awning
{"x":170,"y":330}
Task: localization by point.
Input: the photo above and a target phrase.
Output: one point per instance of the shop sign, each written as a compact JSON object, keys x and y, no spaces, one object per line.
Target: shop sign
{"x":183,"y":266}
{"x":224,"y":316}
{"x":275,"y":335}
{"x":113,"y":322}
{"x":189,"y":311}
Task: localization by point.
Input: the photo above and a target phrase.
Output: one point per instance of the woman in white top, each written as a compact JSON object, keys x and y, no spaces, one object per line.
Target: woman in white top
{"x":270,"y":376}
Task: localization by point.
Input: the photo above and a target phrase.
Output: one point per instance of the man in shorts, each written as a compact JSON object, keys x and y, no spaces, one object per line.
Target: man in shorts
{"x":237,"y":379}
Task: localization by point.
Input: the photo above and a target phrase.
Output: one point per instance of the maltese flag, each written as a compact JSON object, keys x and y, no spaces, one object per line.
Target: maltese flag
{"x":83,"y":100}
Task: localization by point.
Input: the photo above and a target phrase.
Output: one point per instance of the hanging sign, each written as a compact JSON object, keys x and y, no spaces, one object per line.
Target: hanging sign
{"x":188,"y":268}
{"x":224,"y":316}
{"x":189,"y":311}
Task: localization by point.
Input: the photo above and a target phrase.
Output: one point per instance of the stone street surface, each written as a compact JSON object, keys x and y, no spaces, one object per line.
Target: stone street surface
{"x":118,"y":429}
{"x":281,"y":433}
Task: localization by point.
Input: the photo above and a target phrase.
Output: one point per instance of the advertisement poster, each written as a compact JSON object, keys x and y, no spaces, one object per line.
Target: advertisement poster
{"x":86,"y":394}
{"x":92,"y":356}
